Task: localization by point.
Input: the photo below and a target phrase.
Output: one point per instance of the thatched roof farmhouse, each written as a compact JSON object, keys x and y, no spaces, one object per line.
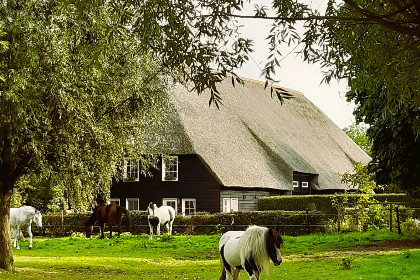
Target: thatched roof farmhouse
{"x":253,"y":145}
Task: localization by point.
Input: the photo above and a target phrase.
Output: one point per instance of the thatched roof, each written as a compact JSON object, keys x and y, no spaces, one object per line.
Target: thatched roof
{"x":254,"y":141}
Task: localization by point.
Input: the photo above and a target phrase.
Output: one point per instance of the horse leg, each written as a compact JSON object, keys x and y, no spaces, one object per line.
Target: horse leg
{"x":110,"y":229}
{"x":102,"y":225}
{"x":226,"y":274}
{"x":236,"y":274}
{"x":167,"y":228}
{"x":158,"y":228}
{"x":119,"y":227}
{"x":151,"y":231}
{"x":15,"y":237}
{"x":252,"y":274}
{"x":30,"y":235}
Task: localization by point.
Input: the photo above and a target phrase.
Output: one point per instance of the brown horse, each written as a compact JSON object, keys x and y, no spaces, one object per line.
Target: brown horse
{"x":106,"y":214}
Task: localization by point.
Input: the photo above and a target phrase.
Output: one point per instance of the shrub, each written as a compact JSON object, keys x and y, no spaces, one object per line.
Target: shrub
{"x":326,"y":203}
{"x":411,"y":227}
{"x":286,"y":222}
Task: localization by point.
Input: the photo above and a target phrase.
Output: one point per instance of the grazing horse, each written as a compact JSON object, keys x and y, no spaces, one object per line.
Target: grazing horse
{"x":249,"y":250}
{"x":23,"y":216}
{"x":106,"y":214}
{"x":158,"y":216}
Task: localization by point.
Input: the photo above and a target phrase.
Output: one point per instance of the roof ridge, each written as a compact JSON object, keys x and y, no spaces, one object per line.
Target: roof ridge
{"x":269,"y":84}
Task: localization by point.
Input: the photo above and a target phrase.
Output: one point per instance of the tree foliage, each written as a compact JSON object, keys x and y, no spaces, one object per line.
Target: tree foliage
{"x":358,"y":134}
{"x":374,"y":45}
{"x":380,"y":60}
{"x":68,"y":109}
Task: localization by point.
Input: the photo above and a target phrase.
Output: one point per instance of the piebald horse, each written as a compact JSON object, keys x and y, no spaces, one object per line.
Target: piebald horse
{"x":249,"y":250}
{"x":23,"y":216}
{"x":157,"y":216}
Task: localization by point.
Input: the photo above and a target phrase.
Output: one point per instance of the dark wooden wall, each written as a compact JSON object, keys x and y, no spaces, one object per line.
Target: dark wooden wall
{"x":194,"y":181}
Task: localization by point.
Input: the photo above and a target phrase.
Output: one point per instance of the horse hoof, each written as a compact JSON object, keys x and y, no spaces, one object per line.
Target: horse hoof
{"x":30,"y":248}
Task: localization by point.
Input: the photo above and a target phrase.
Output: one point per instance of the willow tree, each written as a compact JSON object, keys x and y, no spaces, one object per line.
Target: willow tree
{"x":67,"y":108}
{"x":81,"y":79}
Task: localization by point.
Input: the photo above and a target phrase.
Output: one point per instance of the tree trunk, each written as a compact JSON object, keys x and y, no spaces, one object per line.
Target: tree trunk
{"x":6,"y":253}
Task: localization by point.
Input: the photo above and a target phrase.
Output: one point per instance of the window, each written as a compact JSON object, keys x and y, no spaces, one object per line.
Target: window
{"x":131,"y":170}
{"x":170,"y":168}
{"x":230,"y":205}
{"x":296,"y":184}
{"x":188,"y":206}
{"x":132,"y":203}
{"x":305,"y":185}
{"x":171,"y":202}
{"x":115,"y":201}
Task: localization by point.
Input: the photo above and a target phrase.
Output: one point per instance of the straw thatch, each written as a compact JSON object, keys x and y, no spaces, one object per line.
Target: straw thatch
{"x":254,"y":141}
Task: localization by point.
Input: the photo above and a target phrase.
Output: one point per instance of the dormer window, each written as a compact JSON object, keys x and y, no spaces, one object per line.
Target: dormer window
{"x":170,"y":168}
{"x":302,"y":182}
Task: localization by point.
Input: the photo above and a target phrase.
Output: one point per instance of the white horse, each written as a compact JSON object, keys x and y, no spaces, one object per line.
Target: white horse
{"x":249,"y":250}
{"x":23,"y":216}
{"x":157,"y":216}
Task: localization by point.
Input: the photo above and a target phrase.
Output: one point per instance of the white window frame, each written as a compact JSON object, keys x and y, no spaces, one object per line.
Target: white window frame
{"x":128,"y":163}
{"x":173,"y":200}
{"x":295,"y":184}
{"x":230,"y":204}
{"x":127,"y":200}
{"x":183,"y":205}
{"x":170,"y":169}
{"x":117,"y":201}
{"x":305,"y":185}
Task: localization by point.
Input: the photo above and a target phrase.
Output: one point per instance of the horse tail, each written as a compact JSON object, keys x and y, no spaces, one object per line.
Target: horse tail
{"x":123,"y":210}
{"x":223,"y":270}
{"x":171,"y":214}
{"x":223,"y":264}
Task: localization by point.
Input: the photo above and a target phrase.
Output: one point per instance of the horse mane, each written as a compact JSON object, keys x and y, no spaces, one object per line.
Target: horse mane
{"x":253,"y":243}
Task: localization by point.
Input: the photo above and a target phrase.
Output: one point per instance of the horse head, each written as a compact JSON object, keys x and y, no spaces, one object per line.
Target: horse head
{"x":151,"y":210}
{"x":273,"y":243}
{"x":38,"y":218}
{"x":88,"y":230}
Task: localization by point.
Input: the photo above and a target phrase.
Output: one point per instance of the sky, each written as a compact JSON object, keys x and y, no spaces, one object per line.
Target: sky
{"x":297,"y":75}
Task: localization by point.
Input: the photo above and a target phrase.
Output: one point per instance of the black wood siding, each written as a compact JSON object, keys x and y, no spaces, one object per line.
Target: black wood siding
{"x":194,"y":181}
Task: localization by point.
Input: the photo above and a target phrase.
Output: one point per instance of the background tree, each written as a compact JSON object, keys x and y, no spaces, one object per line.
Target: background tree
{"x":381,"y":63}
{"x":81,"y":79}
{"x":374,"y":45}
{"x":67,"y":110}
{"x":358,"y":134}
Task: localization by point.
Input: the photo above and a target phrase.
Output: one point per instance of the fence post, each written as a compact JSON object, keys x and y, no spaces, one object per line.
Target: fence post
{"x":398,"y":221}
{"x":339,"y":217}
{"x":390,"y":217}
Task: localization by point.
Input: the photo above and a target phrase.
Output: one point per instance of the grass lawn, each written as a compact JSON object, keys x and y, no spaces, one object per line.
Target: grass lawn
{"x":372,"y":255}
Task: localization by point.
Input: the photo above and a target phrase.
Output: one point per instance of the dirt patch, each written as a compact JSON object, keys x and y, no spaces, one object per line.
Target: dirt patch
{"x":391,"y":245}
{"x":374,"y":248}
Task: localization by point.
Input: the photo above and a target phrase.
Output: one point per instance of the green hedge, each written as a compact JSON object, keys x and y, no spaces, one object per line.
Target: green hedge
{"x":324,"y":203}
{"x":289,"y":223}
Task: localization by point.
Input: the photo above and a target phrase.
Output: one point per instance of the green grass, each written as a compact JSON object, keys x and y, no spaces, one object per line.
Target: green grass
{"x":321,"y":256}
